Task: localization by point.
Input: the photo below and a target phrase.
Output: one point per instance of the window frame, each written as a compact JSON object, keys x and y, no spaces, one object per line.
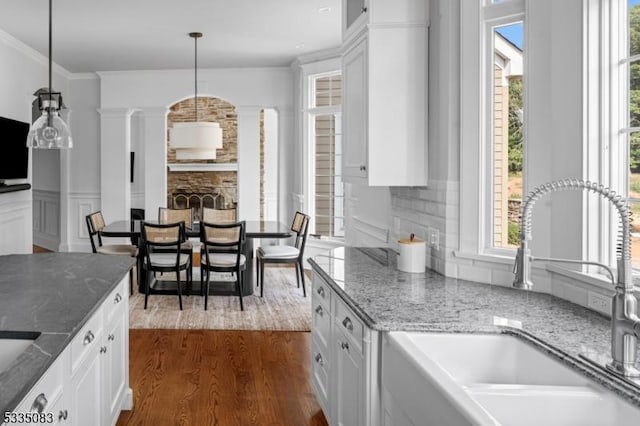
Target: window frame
{"x":310,"y":112}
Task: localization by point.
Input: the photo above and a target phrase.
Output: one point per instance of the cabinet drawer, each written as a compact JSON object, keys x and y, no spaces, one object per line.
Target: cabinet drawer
{"x":88,"y":337}
{"x":348,"y":322}
{"x":321,"y":292}
{"x":44,"y":397}
{"x":321,"y":324}
{"x":116,"y":300}
{"x":320,"y":376}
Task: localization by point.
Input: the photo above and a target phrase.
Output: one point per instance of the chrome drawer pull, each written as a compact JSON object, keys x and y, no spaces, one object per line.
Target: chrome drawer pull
{"x":88,"y":338}
{"x":344,"y":345}
{"x":117,"y":299}
{"x":319,"y":359}
{"x":111,"y":337}
{"x":348,"y":324}
{"x":62,"y":415}
{"x":320,"y":291}
{"x":319,"y":310}
{"x":39,"y":404}
{"x":103,"y":349}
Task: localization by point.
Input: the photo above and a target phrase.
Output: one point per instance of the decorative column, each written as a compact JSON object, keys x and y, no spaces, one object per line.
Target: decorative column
{"x":155,"y":160}
{"x":248,"y":162}
{"x":115,"y":145}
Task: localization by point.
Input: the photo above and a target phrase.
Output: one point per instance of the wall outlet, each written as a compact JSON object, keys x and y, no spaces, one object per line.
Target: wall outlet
{"x":434,"y":238}
{"x":599,"y":302}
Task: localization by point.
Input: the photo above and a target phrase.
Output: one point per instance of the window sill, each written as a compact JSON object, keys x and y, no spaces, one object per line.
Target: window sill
{"x":483,"y":257}
{"x":595,"y":280}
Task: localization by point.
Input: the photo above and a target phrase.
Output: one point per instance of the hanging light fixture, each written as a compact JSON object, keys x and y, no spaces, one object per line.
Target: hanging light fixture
{"x":196,"y":140}
{"x":49,"y":131}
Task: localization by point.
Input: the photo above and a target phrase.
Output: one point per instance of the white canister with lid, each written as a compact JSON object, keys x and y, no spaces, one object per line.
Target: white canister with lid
{"x":412,"y":254}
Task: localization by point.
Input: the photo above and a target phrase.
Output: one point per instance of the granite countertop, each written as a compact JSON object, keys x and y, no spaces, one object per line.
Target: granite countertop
{"x":53,"y":294}
{"x":387,"y":299}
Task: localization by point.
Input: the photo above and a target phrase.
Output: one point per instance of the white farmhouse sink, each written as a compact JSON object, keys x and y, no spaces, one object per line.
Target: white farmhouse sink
{"x":11,"y":348}
{"x":458,"y":379}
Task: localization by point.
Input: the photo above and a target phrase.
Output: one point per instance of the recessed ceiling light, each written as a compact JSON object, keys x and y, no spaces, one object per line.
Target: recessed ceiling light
{"x":299,"y":46}
{"x":324,"y":10}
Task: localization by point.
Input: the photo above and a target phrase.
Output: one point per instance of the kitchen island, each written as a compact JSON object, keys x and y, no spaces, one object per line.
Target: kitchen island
{"x":358,"y":295}
{"x":57,"y":296}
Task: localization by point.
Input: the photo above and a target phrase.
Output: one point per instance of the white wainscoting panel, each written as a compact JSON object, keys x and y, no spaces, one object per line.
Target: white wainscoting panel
{"x":80,"y":205}
{"x":16,"y":235}
{"x":46,"y":219}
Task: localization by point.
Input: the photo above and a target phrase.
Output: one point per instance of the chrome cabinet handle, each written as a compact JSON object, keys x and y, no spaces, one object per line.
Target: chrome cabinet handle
{"x":88,"y":338}
{"x":363,"y":168}
{"x":39,"y":404}
{"x":117,"y":299}
{"x":319,"y":310}
{"x":364,"y":10}
{"x":319,"y":359}
{"x":348,"y":324}
{"x":111,"y":337}
{"x":103,"y":349}
{"x":320,"y":291}
{"x":62,"y":415}
{"x":344,"y":345}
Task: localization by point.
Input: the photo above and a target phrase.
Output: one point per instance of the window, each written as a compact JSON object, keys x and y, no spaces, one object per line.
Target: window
{"x":326,"y":190}
{"x":504,"y":123}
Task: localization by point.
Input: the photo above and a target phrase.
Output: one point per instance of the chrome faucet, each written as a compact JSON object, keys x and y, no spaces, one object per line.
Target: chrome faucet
{"x":625,"y":324}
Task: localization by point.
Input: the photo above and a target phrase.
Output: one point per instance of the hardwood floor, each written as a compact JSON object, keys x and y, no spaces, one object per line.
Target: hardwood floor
{"x":220,"y":377}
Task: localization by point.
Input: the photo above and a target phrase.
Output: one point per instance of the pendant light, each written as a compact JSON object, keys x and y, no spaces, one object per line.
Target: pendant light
{"x":196,"y":140}
{"x":49,"y":131}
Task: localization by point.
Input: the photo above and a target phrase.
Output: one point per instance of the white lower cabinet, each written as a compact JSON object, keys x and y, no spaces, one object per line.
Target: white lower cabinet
{"x":344,"y":361}
{"x":88,"y":384}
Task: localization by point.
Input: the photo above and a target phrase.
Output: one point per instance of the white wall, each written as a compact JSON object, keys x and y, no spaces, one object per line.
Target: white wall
{"x":22,"y":72}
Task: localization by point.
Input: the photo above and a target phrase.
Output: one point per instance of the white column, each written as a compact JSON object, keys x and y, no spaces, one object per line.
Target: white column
{"x":115,"y":145}
{"x":290,"y":159}
{"x":155,"y":160}
{"x":271,"y":164}
{"x":248,"y":162}
{"x":65,"y":189}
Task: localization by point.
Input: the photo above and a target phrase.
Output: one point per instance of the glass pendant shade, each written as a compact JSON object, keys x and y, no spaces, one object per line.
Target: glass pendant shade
{"x":195,"y":140}
{"x":49,"y":131}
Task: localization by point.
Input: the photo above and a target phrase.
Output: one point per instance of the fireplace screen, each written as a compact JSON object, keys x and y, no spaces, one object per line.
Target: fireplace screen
{"x":197,"y":201}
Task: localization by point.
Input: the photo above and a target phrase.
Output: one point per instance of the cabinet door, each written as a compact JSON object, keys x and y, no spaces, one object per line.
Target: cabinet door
{"x":114,"y":368}
{"x":86,"y":390}
{"x":348,"y":403}
{"x":354,"y":111}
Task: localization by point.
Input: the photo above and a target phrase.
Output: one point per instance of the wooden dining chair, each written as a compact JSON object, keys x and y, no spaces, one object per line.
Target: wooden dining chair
{"x":166,"y":215}
{"x":95,"y":225}
{"x":222,"y":248}
{"x":210,"y":215}
{"x":283,"y":254}
{"x":163,"y":254}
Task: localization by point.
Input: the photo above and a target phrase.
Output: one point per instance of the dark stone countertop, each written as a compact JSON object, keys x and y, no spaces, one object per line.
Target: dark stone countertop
{"x":387,"y":299}
{"x":53,"y":294}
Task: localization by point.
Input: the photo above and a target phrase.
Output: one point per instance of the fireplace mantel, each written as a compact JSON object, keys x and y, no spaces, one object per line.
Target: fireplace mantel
{"x":203,"y":167}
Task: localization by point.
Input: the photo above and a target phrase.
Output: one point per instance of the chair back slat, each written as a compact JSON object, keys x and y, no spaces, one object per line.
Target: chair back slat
{"x":170,"y":234}
{"x":95,"y":225}
{"x":300,"y":226}
{"x":166,"y":215}
{"x":210,"y":215}
{"x":219,"y":236}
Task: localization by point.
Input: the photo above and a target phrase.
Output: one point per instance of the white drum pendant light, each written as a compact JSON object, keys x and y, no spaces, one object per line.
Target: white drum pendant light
{"x":195,"y":140}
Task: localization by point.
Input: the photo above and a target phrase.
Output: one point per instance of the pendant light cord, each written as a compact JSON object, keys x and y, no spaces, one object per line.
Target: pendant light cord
{"x":50,"y":59}
{"x":196,"y":73}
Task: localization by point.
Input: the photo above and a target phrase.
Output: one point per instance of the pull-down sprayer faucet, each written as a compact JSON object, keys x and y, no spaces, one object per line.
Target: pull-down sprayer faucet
{"x":625,"y":324}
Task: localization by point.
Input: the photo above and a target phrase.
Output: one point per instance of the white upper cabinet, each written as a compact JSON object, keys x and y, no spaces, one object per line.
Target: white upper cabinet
{"x":385,"y":92}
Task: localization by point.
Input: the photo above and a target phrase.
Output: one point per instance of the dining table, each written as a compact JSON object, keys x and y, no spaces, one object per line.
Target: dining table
{"x":254,"y":229}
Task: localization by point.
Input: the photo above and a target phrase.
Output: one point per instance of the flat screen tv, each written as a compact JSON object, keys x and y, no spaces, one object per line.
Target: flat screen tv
{"x":14,"y":154}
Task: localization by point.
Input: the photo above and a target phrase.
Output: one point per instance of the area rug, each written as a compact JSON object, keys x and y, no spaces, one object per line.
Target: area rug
{"x":283,"y":307}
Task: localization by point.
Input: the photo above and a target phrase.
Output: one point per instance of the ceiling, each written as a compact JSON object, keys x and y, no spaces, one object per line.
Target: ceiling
{"x":119,"y":35}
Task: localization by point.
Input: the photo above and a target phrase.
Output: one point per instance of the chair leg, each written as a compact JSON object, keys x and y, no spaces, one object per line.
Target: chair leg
{"x":201,"y":279}
{"x":262,"y":278}
{"x":146,"y":288}
{"x":297,"y":276}
{"x":131,"y":281}
{"x":240,"y":289}
{"x":179,"y":287}
{"x":304,"y":287}
{"x":257,"y":271}
{"x":206,"y":290}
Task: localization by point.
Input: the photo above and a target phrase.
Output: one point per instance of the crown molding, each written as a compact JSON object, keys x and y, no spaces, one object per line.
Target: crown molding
{"x":31,"y":53}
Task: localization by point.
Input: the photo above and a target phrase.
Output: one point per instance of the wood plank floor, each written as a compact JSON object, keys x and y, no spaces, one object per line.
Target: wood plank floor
{"x":220,"y":377}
